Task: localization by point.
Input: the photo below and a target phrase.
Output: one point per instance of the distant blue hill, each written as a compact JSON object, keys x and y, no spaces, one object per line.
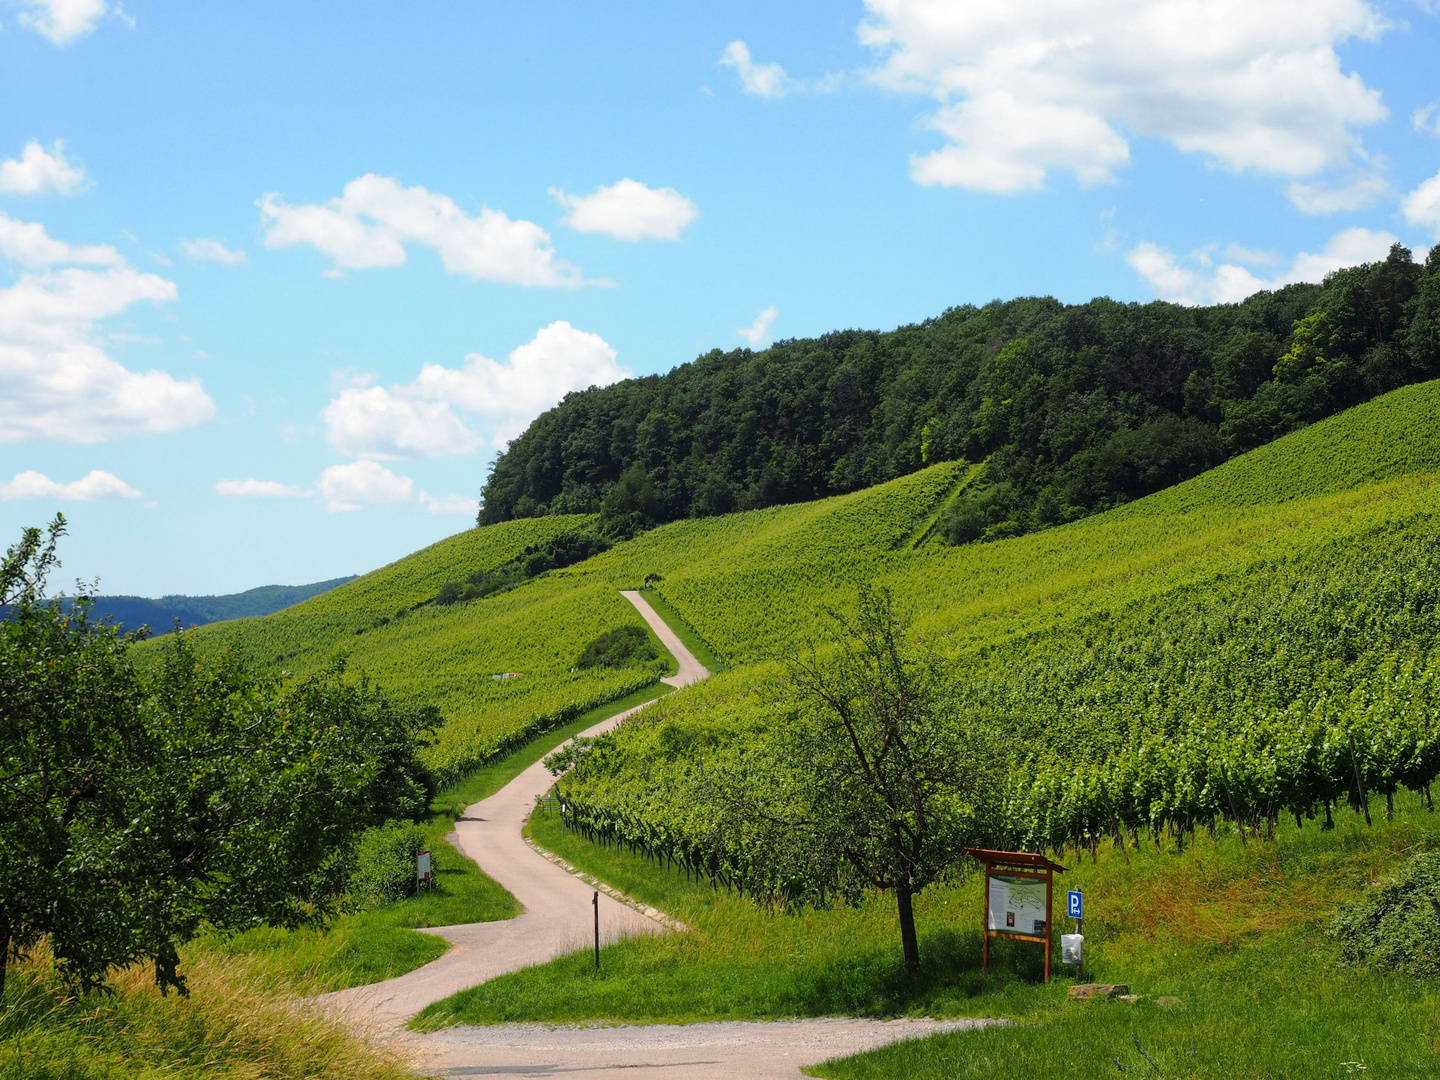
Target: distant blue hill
{"x":133,"y":612}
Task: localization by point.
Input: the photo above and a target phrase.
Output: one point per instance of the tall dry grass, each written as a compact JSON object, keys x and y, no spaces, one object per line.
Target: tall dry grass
{"x":229,"y":1027}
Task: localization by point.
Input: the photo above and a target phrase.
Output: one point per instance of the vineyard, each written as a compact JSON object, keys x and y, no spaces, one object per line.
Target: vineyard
{"x":1255,"y":642}
{"x":1258,"y":642}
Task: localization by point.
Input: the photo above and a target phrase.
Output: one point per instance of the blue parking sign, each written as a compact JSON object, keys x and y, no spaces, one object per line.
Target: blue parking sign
{"x":1075,"y":907}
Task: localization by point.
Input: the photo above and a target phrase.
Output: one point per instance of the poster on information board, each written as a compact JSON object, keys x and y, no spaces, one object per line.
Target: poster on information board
{"x":1017,"y":905}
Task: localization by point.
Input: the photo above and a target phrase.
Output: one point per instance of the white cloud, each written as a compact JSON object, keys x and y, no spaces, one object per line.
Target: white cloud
{"x":207,"y":250}
{"x":758,"y":332}
{"x":628,"y":210}
{"x":1422,"y":206}
{"x":62,"y":21}
{"x":268,"y":489}
{"x":369,"y":224}
{"x":1024,"y":89}
{"x":419,"y":418}
{"x":361,"y":484}
{"x":28,"y":243}
{"x":1427,"y":119}
{"x":380,"y":423}
{"x":95,"y":484}
{"x":766,"y":80}
{"x":40,"y":172}
{"x":56,"y":381}
{"x":450,"y":504}
{"x":1328,"y":199}
{"x":1196,"y":280}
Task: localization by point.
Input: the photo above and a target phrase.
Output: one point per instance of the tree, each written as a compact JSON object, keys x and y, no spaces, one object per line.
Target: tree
{"x":886,"y":781}
{"x":136,"y":811}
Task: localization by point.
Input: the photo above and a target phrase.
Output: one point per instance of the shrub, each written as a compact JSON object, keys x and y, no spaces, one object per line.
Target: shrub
{"x":619,"y":647}
{"x":1396,"y":926}
{"x":385,"y":864}
{"x":561,"y":551}
{"x":449,"y":593}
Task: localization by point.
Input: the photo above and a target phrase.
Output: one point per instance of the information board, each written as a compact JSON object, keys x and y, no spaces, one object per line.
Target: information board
{"x":1017,"y":905}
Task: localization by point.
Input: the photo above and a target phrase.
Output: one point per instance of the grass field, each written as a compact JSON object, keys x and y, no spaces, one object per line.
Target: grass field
{"x":1235,"y":932}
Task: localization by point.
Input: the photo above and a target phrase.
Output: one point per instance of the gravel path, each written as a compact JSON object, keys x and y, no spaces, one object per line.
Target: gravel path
{"x":721,"y":1051}
{"x":558,"y":919}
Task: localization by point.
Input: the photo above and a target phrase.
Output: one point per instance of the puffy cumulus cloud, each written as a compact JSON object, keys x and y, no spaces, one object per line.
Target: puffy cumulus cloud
{"x":38,"y":171}
{"x":420,"y":417}
{"x":380,"y":423}
{"x":204,"y":249}
{"x":1196,"y":279}
{"x":758,"y":332}
{"x":628,"y":210}
{"x":265,"y":489}
{"x":56,"y":381}
{"x":360,"y":484}
{"x":96,"y":484}
{"x":1422,"y":206}
{"x":765,"y":80}
{"x":62,"y":21}
{"x":373,"y":219}
{"x":450,"y":504}
{"x":1024,"y":89}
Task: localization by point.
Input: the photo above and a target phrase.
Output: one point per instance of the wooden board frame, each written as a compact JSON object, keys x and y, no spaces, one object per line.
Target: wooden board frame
{"x":1019,"y":864}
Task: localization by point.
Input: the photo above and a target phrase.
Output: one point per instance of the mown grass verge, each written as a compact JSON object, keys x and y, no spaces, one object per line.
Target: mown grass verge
{"x":1235,"y":932}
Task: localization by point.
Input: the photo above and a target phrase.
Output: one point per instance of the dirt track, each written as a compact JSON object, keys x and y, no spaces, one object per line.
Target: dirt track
{"x":558,"y":919}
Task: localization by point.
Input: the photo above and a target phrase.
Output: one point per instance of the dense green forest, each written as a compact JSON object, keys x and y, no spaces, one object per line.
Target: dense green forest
{"x":1073,"y":408}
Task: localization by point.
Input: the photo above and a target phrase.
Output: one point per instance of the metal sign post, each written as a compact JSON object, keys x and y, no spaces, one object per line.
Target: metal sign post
{"x":596,"y":901}
{"x":422,"y":870}
{"x":1072,"y":946}
{"x":1014,"y":884}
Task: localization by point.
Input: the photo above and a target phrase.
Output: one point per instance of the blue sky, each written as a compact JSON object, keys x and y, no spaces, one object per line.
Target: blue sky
{"x":278,"y":280}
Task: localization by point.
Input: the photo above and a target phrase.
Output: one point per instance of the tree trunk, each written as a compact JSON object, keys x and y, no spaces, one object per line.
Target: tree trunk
{"x":909,"y":942}
{"x":4,"y":949}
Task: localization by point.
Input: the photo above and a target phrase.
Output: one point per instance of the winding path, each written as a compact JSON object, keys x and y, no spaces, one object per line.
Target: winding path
{"x":558,"y":919}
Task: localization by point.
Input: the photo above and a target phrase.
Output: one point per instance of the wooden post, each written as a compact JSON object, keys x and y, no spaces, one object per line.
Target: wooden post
{"x":1049,"y":920}
{"x":985,"y":961}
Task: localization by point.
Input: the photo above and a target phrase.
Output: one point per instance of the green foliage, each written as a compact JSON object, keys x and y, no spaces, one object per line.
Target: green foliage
{"x":632,"y":504}
{"x":385,"y":864}
{"x":620,"y":647}
{"x":1078,"y":408}
{"x":136,"y":810}
{"x":1396,"y":925}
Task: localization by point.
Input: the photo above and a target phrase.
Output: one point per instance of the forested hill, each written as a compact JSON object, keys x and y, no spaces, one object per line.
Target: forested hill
{"x":1073,"y":409}
{"x":132,"y":612}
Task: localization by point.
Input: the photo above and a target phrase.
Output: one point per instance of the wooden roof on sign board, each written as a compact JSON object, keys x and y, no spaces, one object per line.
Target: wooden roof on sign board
{"x":1028,"y":860}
